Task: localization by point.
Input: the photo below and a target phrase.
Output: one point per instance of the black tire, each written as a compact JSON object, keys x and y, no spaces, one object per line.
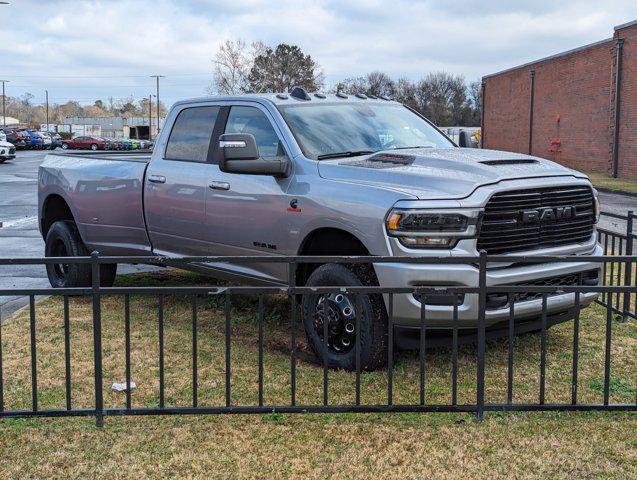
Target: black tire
{"x":65,"y":146}
{"x":63,"y":240}
{"x":94,"y":147}
{"x":373,"y":320}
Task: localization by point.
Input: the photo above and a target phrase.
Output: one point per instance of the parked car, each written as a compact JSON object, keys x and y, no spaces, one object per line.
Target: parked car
{"x":46,"y":139}
{"x":56,"y":140}
{"x":126,"y":144}
{"x":299,"y":174}
{"x":84,"y":143}
{"x":115,"y":144}
{"x":14,"y":137}
{"x":3,"y":136}
{"x":34,"y":142}
{"x":7,"y":151}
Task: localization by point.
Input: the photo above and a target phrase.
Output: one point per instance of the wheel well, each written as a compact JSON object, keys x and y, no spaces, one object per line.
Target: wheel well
{"x":327,"y":241}
{"x":55,"y":208}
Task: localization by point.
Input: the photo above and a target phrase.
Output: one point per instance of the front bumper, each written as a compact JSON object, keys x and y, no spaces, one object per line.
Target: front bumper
{"x":406,"y":311}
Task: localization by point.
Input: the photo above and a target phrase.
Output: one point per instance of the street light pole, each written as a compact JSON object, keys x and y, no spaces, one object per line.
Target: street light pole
{"x":157,"y":77}
{"x":4,"y":108}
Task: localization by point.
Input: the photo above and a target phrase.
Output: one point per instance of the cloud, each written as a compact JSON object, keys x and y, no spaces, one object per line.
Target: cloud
{"x":96,"y":49}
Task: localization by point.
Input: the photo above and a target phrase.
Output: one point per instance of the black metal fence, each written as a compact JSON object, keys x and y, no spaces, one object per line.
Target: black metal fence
{"x":616,"y":294}
{"x":616,"y":242}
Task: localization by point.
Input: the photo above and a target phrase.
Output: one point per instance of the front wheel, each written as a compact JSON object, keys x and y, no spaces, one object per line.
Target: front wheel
{"x":339,"y":311}
{"x":93,"y":147}
{"x":65,"y":146}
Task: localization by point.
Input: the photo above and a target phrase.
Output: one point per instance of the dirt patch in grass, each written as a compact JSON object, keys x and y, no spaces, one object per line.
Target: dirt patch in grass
{"x":556,"y":445}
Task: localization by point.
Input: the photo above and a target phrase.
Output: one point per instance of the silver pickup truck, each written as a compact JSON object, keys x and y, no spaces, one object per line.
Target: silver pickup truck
{"x":315,"y":174}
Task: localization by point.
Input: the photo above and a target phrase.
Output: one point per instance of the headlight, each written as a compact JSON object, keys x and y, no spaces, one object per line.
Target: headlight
{"x":597,"y":204}
{"x":431,"y":229}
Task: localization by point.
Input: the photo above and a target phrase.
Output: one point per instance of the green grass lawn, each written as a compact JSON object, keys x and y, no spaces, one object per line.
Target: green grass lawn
{"x":604,"y":180}
{"x":556,"y":445}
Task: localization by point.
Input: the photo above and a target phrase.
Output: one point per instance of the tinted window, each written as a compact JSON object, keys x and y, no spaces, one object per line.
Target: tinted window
{"x":190,"y":136}
{"x":252,"y":120}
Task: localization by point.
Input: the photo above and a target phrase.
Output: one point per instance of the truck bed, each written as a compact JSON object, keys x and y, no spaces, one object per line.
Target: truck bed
{"x":104,"y":191}
{"x":121,"y":156}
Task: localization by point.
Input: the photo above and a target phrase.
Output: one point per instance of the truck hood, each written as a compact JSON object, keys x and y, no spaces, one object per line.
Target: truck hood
{"x":439,"y":173}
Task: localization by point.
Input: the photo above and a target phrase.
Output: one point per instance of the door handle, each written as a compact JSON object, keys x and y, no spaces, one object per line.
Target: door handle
{"x":216,"y":185}
{"x":157,"y":179}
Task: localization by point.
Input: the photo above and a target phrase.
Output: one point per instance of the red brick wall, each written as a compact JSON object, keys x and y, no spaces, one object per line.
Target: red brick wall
{"x":579,"y":87}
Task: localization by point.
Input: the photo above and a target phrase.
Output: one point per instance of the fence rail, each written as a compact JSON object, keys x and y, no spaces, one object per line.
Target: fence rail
{"x":617,"y":294}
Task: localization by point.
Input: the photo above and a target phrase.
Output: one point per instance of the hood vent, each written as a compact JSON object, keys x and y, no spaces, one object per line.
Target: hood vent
{"x":382,"y":160}
{"x":520,"y":161}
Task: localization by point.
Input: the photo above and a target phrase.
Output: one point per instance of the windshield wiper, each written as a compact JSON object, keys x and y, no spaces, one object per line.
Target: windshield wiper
{"x":344,"y":154}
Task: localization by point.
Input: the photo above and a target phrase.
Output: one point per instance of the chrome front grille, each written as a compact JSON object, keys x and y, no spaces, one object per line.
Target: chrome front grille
{"x":508,"y":224}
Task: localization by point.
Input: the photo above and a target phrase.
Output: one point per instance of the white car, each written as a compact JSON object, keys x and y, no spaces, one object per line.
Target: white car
{"x":46,"y":140}
{"x":7,"y":151}
{"x":3,"y":136}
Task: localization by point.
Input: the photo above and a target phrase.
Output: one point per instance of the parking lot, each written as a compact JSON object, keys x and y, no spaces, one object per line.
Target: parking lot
{"x":20,"y":236}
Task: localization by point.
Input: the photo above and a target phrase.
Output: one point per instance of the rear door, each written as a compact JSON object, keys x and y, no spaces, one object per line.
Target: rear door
{"x":176,"y":185}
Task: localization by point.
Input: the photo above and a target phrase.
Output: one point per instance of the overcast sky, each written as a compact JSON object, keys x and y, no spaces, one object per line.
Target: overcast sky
{"x":85,"y":50}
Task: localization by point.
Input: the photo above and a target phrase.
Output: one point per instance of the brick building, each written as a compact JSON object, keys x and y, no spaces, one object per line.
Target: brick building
{"x":578,"y":107}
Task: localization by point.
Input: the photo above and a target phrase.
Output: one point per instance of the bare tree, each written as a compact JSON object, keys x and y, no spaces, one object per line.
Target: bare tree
{"x":374,"y":83}
{"x":380,"y":84}
{"x":232,"y":65}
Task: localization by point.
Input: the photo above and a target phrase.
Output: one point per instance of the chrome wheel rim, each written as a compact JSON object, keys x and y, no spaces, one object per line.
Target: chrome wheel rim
{"x":337,"y":310}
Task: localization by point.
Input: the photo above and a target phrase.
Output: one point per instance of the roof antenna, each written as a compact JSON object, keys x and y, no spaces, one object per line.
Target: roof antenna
{"x":300,"y":93}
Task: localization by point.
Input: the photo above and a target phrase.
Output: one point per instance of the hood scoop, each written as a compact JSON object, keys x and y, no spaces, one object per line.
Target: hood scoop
{"x":514,"y":161}
{"x":381,"y":161}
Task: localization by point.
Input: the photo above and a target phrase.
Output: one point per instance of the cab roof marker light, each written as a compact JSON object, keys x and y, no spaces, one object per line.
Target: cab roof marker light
{"x":300,"y":94}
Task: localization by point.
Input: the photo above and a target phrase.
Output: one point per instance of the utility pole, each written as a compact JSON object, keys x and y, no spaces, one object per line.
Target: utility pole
{"x":4,"y":108}
{"x":47,"y":110}
{"x":157,"y":77}
{"x":150,"y":117}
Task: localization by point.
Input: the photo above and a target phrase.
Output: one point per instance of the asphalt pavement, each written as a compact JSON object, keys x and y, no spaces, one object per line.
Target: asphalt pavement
{"x":19,"y":235}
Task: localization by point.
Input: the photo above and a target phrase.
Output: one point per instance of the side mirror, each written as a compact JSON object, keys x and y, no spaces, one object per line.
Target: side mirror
{"x":464,"y":140}
{"x":240,"y":154}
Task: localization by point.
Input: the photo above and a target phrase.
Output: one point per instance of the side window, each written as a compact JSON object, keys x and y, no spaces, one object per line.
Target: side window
{"x":190,"y":135}
{"x":252,"y":120}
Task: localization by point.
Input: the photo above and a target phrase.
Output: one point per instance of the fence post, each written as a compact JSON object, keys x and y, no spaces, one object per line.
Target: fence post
{"x":628,"y":266}
{"x":97,"y":339}
{"x":482,"y":301}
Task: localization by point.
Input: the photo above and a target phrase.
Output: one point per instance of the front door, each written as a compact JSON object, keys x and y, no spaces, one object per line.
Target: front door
{"x":177,"y":184}
{"x":246,"y":214}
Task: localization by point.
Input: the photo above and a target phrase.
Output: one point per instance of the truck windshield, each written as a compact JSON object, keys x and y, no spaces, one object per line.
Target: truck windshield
{"x":329,"y":129}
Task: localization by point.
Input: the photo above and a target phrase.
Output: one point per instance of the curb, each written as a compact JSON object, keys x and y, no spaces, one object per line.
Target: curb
{"x":618,"y":192}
